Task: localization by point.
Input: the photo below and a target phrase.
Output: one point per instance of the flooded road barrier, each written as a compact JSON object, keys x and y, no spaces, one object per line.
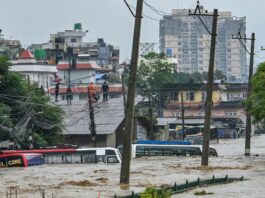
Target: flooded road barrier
{"x":175,"y":189}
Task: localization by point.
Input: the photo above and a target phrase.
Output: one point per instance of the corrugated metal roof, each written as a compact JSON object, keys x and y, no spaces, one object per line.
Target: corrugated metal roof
{"x":108,"y":116}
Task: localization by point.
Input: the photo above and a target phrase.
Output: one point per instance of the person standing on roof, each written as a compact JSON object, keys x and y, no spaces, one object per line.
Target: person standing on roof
{"x":56,"y":92}
{"x":69,"y":95}
{"x":105,"y":90}
{"x":91,"y":91}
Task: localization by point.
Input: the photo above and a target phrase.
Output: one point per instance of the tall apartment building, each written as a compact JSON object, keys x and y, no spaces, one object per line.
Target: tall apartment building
{"x":185,"y":38}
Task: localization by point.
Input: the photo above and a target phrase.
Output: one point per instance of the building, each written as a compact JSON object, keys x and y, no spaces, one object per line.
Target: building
{"x":9,"y":48}
{"x":105,"y":55}
{"x":40,"y":75}
{"x":146,"y":48}
{"x":227,"y":109}
{"x":184,"y":37}
{"x":109,"y":122}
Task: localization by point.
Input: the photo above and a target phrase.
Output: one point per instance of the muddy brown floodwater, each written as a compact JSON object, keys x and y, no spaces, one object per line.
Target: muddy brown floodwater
{"x":101,"y":180}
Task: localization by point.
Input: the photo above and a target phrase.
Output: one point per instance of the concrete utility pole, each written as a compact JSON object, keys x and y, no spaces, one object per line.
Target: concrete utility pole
{"x":126,"y":153}
{"x":208,"y":102}
{"x":92,"y":125}
{"x":151,"y":116}
{"x":123,"y":93}
{"x":251,"y":63}
{"x":183,"y":116}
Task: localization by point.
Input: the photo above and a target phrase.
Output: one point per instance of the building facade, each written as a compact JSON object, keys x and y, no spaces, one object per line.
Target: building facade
{"x":40,"y":75}
{"x":227,"y":101}
{"x":105,"y":55}
{"x":184,"y":37}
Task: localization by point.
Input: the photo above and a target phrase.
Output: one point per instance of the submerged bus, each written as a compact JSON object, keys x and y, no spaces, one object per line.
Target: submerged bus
{"x":83,"y":155}
{"x":139,"y":150}
{"x":20,"y":159}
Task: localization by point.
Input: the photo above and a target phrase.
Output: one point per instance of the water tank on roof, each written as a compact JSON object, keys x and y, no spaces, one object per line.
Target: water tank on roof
{"x":78,"y":26}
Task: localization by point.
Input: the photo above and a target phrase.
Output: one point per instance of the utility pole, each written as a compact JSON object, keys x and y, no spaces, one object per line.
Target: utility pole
{"x":123,"y":93}
{"x":208,"y":102}
{"x":182,"y":116}
{"x":92,"y":125}
{"x":126,"y":151}
{"x":151,"y":116}
{"x":251,"y":63}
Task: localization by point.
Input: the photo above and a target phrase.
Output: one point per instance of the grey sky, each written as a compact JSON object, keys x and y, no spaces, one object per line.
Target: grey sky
{"x":31,"y":21}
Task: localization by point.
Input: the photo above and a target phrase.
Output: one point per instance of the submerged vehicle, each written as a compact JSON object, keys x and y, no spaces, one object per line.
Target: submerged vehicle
{"x":139,"y":150}
{"x":72,"y":155}
{"x":20,"y":159}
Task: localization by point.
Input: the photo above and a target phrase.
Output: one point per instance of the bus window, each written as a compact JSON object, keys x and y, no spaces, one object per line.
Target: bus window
{"x":192,"y":151}
{"x":112,"y":159}
{"x":67,"y":158}
{"x":48,"y":159}
{"x":140,"y":151}
{"x":168,"y":151}
{"x":89,"y":158}
{"x":58,"y":159}
{"x":101,"y":158}
{"x":155,"y":150}
{"x":34,"y":160}
{"x":76,"y":158}
{"x":110,"y":152}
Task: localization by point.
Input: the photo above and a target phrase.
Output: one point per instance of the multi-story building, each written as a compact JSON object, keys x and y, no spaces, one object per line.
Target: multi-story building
{"x":184,"y":37}
{"x":227,"y":100}
{"x":41,"y":75}
{"x":105,"y":55}
{"x":9,"y":48}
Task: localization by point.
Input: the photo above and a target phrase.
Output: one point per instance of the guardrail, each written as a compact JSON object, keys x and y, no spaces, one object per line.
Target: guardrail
{"x":175,"y":189}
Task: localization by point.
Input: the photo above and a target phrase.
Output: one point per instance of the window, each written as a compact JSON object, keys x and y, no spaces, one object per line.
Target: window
{"x":176,"y":114}
{"x":190,"y":96}
{"x":230,"y":114}
{"x":173,"y":96}
{"x":73,"y":40}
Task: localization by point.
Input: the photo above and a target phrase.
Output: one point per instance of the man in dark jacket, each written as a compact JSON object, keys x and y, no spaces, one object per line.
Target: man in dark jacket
{"x":105,"y":90}
{"x":56,"y":92}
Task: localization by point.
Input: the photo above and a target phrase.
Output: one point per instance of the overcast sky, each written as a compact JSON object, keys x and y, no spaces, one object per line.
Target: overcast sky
{"x":31,"y":21}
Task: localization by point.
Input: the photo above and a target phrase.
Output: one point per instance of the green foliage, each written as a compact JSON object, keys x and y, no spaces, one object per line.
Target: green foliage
{"x":256,"y":103}
{"x":153,"y":71}
{"x":5,"y":120}
{"x":24,"y":104}
{"x":151,"y":192}
{"x":203,"y":192}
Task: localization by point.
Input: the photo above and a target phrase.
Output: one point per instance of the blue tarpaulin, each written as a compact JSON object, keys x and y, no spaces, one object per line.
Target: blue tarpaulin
{"x":101,"y":77}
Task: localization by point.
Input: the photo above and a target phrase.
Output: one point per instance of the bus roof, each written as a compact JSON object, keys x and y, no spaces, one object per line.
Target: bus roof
{"x":163,"y":142}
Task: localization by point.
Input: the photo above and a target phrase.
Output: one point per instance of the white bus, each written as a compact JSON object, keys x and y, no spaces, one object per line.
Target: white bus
{"x":72,"y":155}
{"x":139,"y":150}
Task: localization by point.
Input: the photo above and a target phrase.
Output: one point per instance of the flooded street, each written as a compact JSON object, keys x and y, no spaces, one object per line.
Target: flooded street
{"x":101,"y":180}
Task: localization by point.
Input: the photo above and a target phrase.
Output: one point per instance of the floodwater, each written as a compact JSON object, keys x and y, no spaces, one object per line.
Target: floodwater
{"x":101,"y":180}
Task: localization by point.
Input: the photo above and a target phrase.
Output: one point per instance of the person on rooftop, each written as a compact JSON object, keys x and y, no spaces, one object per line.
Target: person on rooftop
{"x":91,"y":91}
{"x":105,"y":90}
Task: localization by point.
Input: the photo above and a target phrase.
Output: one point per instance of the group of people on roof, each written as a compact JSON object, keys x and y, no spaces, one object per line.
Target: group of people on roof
{"x":91,"y":92}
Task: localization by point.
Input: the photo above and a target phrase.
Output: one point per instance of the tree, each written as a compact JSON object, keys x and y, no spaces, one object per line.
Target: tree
{"x":25,"y":106}
{"x":256,"y":103}
{"x":153,"y":71}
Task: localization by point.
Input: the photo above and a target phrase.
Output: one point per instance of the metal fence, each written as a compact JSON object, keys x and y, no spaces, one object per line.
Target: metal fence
{"x":175,"y":189}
